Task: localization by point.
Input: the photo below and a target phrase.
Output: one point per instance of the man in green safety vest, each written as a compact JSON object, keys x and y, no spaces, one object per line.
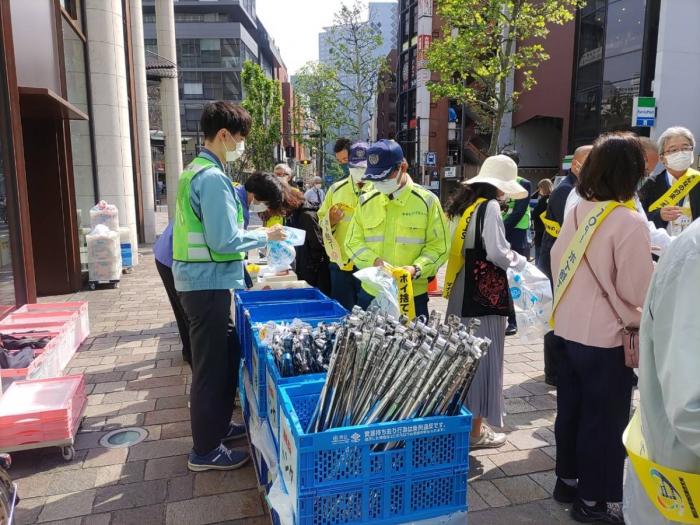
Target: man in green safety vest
{"x":209,"y":246}
{"x":516,"y":219}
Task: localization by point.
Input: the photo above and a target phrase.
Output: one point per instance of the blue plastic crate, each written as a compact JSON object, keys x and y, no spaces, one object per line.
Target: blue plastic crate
{"x":258,"y":367}
{"x":326,"y":310}
{"x":244,"y":299}
{"x":262,"y":471}
{"x":273,"y":383}
{"x":343,"y":460}
{"x":400,"y":500}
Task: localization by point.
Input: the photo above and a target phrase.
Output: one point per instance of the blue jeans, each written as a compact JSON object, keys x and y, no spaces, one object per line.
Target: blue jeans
{"x":420,"y":302}
{"x":344,"y":286}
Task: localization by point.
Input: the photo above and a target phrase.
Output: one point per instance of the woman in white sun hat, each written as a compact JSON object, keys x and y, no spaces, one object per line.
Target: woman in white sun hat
{"x":477,"y":285}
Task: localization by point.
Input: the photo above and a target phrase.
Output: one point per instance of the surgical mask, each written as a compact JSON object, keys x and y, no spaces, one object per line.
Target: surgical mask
{"x":233,"y":156}
{"x":357,"y":174}
{"x":679,"y":161}
{"x":387,"y":186}
{"x":317,"y":186}
{"x":346,"y":169}
{"x":257,"y":207}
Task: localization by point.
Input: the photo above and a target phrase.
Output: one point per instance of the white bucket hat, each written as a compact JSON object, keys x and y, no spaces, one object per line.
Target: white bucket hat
{"x":502,"y":172}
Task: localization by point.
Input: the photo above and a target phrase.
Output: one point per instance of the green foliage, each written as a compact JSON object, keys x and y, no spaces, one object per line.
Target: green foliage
{"x":320,"y":112}
{"x":484,"y":42}
{"x":263,"y":100}
{"x":352,"y":45}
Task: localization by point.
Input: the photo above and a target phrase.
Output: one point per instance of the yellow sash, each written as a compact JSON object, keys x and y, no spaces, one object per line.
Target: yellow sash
{"x":455,"y":262}
{"x":573,"y":255}
{"x":330,"y":243}
{"x":274,"y":220}
{"x":678,"y":191}
{"x":405,"y":284}
{"x":675,"y":494}
{"x":550,"y":226}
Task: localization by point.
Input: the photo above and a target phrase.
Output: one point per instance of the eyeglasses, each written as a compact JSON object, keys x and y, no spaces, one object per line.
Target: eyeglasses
{"x":676,"y":149}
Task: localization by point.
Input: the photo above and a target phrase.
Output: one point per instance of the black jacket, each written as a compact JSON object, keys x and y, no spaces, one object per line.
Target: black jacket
{"x":311,"y":260}
{"x":555,"y":211}
{"x":654,"y":188}
{"x":538,"y":210}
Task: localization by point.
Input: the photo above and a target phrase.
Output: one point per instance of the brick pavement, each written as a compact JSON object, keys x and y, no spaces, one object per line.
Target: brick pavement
{"x":136,"y":376}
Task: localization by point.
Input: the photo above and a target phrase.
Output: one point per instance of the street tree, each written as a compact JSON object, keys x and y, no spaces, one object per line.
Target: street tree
{"x":484,"y":42}
{"x":263,"y":100}
{"x":320,"y":112}
{"x":352,"y":45}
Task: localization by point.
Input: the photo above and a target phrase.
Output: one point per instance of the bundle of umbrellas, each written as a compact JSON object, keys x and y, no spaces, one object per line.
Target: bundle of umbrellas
{"x":382,"y":369}
{"x":299,"y":348}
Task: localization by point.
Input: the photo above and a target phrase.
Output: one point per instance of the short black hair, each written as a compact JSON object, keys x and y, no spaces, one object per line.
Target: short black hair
{"x":225,"y":115}
{"x":613,"y":169}
{"x":513,"y":154}
{"x":341,"y":144}
{"x":267,"y":188}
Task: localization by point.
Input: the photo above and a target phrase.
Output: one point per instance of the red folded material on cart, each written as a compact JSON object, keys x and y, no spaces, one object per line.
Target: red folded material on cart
{"x":41,"y":410}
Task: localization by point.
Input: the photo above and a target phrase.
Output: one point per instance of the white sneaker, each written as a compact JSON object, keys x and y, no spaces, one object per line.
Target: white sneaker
{"x":487,"y":439}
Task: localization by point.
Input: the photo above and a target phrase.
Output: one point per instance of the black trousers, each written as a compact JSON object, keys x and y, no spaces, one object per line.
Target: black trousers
{"x":166,"y":275}
{"x":216,"y":356}
{"x":594,"y":392}
{"x":553,"y":349}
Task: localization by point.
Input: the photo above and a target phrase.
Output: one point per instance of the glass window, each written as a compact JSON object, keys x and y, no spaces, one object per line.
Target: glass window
{"x":625,"y":27}
{"x":616,"y":107}
{"x":591,"y":6}
{"x":7,"y":281}
{"x":149,"y":18}
{"x":151,"y":44}
{"x":213,"y":88}
{"x":623,"y":67}
{"x":232,"y":86}
{"x":587,"y":113}
{"x":590,"y":54}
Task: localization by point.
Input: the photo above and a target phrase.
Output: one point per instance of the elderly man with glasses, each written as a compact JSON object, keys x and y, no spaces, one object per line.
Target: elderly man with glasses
{"x":671,"y":199}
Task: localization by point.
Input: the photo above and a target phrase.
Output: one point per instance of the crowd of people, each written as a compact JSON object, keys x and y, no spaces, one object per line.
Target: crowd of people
{"x":597,"y":235}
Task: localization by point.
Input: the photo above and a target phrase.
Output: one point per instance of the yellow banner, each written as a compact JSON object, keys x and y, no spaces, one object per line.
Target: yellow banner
{"x":678,"y":191}
{"x":573,"y":255}
{"x":330,"y":243}
{"x":675,"y":494}
{"x":455,"y":262}
{"x":405,"y":284}
{"x":550,"y":226}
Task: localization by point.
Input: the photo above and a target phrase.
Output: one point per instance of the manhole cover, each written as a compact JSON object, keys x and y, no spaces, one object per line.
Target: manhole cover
{"x":123,"y":437}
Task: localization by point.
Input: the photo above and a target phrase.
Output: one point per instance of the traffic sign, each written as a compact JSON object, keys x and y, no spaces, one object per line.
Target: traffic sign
{"x":431,"y":158}
{"x":644,"y":112}
{"x":329,"y":179}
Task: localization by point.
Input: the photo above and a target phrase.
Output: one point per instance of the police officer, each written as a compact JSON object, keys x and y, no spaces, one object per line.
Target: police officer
{"x":399,"y":223}
{"x":209,"y":245}
{"x":339,"y":206}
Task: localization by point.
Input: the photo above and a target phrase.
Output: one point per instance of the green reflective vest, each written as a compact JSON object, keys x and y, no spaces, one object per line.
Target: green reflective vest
{"x":189,"y":244}
{"x":524,"y":222}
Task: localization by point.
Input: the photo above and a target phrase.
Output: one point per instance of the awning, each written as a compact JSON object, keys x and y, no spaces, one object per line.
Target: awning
{"x":158,"y":67}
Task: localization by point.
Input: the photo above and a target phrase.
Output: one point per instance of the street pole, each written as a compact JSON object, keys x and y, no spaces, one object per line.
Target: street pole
{"x":461,"y":145}
{"x":418,"y":159}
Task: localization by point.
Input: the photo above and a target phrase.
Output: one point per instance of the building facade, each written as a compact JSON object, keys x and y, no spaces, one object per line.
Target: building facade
{"x":384,"y":17}
{"x":213,"y":41}
{"x":68,"y":96}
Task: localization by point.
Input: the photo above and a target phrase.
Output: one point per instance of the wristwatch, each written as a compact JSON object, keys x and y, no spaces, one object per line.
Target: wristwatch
{"x":418,"y":271}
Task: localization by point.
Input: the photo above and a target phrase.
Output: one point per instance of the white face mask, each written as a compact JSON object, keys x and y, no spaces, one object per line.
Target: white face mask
{"x":233,"y":156}
{"x":388,"y":186}
{"x":317,"y":186}
{"x":679,"y":161}
{"x":357,"y":174}
{"x":257,"y":207}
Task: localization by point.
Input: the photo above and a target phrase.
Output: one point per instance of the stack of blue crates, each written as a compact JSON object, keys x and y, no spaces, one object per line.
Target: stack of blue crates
{"x":385,"y":473}
{"x":347,"y":475}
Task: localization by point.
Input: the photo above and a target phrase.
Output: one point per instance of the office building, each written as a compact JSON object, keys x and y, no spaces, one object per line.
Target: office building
{"x":214,"y":39}
{"x":383,"y":16}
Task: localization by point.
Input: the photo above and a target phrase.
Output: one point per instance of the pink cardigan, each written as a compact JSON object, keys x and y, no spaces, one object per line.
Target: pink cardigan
{"x":620,"y":255}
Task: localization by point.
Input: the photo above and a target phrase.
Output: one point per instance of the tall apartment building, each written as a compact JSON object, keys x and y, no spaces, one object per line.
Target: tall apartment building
{"x":384,"y":16}
{"x":214,"y":39}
